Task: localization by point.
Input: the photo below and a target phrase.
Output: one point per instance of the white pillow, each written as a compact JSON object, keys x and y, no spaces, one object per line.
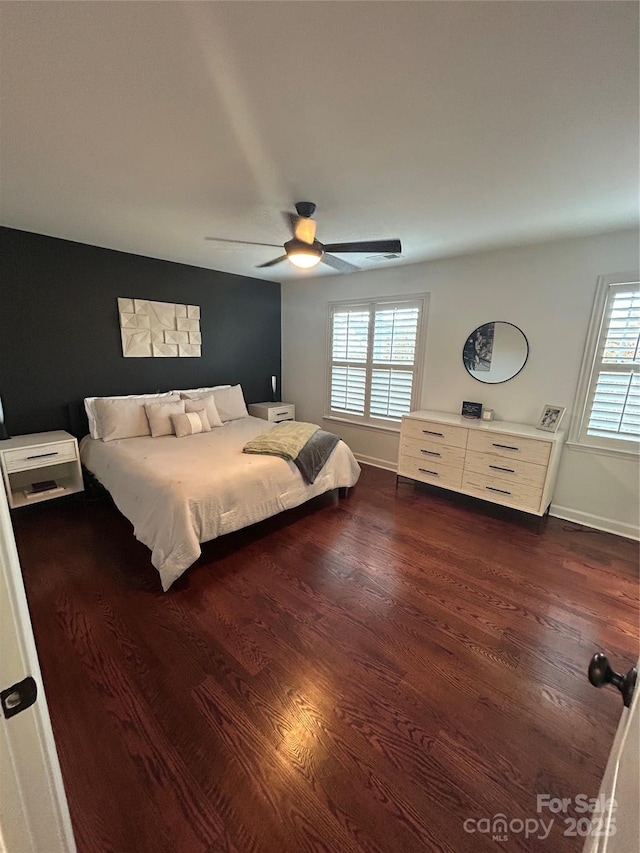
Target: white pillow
{"x":191,"y":392}
{"x":207,"y":404}
{"x":159,"y":416}
{"x":120,"y":419}
{"x":230,"y":403}
{"x":89,"y":406}
{"x":190,"y":423}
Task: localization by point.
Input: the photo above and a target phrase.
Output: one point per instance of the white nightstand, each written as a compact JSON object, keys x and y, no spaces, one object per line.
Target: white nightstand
{"x":28,"y":459}
{"x":274,"y":412}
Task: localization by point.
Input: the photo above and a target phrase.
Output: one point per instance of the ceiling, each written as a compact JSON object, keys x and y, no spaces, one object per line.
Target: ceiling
{"x":146,"y":126}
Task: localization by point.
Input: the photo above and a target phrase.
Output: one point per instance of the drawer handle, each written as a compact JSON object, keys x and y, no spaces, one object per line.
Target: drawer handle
{"x":431,"y":432}
{"x":433,"y":473}
{"x":499,"y":468}
{"x":430,"y":452}
{"x":502,"y":491}
{"x":281,"y":413}
{"x":505,"y":446}
{"x":42,"y":455}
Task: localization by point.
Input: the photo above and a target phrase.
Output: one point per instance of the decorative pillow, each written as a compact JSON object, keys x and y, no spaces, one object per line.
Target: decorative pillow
{"x":90,"y":404}
{"x":191,"y":393}
{"x":120,"y":419}
{"x":159,"y":416}
{"x":190,"y":423}
{"x":207,"y":404}
{"x":230,"y":403}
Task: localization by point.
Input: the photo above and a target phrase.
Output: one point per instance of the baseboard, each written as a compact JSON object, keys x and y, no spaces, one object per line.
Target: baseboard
{"x":377,"y":463}
{"x":587,"y":519}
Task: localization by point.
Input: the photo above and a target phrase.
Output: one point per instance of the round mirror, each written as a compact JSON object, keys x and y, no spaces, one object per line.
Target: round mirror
{"x":495,"y":352}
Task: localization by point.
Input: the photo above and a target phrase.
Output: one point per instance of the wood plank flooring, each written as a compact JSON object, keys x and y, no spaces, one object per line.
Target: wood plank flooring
{"x":363,"y":676}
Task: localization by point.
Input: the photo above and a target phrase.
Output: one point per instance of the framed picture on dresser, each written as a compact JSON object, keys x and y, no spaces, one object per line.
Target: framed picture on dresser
{"x":551,"y":417}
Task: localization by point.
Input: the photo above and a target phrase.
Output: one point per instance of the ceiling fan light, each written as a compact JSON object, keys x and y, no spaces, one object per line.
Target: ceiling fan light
{"x":303,"y":255}
{"x":305,"y":260}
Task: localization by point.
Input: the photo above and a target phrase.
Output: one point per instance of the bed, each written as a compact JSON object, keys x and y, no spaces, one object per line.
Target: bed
{"x":179,"y":493}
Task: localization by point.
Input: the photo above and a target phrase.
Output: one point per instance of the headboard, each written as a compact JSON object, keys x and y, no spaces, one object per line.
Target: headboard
{"x":78,"y":423}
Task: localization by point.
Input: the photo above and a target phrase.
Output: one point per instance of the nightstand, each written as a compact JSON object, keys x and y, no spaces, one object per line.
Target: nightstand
{"x":274,"y":412}
{"x":41,"y":456}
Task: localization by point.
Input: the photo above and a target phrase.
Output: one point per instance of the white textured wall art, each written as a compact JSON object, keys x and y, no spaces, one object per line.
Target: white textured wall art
{"x":159,"y":329}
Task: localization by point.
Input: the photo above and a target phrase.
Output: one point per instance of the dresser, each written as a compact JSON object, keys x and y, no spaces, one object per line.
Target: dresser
{"x":511,"y":464}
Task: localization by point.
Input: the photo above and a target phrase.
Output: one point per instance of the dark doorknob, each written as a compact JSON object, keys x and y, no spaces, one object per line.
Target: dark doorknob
{"x":600,"y":673}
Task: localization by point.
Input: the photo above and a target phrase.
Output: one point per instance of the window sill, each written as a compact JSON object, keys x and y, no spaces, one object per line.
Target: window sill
{"x":602,"y":451}
{"x":394,"y":430}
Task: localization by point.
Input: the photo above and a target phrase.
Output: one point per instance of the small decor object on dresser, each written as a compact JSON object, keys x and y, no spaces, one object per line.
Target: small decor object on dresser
{"x":551,"y":417}
{"x":471,"y":410}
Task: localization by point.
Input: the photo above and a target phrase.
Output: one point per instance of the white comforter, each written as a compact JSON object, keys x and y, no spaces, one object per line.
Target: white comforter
{"x":179,"y":492}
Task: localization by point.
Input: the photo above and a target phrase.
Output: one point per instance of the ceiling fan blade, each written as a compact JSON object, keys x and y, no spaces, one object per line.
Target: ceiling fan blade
{"x":242,"y":242}
{"x":302,"y":227}
{"x":305,"y":230}
{"x":272,"y":263}
{"x":291,"y":221}
{"x":375,"y":247}
{"x":338,"y":263}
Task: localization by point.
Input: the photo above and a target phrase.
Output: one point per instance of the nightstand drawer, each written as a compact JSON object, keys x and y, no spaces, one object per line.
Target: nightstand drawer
{"x":282,"y":413}
{"x":39,"y":456}
{"x":274,"y":412}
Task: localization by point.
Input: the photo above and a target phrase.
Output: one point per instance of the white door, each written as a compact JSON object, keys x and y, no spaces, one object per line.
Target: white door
{"x":34,"y":816}
{"x":615,"y":824}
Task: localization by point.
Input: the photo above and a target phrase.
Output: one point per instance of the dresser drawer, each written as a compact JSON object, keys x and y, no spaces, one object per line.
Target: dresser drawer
{"x":434,"y":432}
{"x":432,"y":451}
{"x":512,"y":470}
{"x":510,"y":446}
{"x":501,"y":491}
{"x":428,"y":471}
{"x":38,"y":456}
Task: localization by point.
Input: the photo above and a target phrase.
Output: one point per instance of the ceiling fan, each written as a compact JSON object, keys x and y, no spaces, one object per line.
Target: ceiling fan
{"x":304,"y":251}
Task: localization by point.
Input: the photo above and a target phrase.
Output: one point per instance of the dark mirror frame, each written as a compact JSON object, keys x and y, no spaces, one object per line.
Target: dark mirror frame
{"x":469,"y":337}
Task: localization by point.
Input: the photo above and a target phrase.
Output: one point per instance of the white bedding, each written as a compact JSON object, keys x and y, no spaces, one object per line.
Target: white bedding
{"x":179,"y":492}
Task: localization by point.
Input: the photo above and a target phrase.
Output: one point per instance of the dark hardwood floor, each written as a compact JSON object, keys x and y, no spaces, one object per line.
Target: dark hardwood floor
{"x":366,"y":676}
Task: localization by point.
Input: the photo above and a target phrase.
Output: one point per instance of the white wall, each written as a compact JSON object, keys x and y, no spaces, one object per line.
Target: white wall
{"x":547,"y":289}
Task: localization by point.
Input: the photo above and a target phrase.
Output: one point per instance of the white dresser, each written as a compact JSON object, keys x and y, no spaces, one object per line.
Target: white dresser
{"x":511,"y":464}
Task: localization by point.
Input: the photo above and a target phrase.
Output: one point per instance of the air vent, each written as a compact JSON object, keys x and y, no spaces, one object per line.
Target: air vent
{"x":390,"y":257}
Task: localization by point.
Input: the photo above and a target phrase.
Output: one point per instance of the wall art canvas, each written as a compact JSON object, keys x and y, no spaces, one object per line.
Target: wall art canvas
{"x":159,"y":329}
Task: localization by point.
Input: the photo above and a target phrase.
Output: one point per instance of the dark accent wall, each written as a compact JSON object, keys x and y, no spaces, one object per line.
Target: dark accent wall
{"x":60,"y":333}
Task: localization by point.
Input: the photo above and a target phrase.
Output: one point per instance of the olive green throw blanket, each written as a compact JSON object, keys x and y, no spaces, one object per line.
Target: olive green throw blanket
{"x":285,"y":440}
{"x":306,"y":445}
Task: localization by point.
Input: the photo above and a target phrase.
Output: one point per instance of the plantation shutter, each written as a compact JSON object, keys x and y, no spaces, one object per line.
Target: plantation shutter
{"x":395,"y":332}
{"x":350,"y":347}
{"x":613,"y":402}
{"x":373,"y":359}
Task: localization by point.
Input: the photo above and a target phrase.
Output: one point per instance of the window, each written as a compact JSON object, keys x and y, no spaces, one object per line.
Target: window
{"x":375,"y":353}
{"x":609,"y":389}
